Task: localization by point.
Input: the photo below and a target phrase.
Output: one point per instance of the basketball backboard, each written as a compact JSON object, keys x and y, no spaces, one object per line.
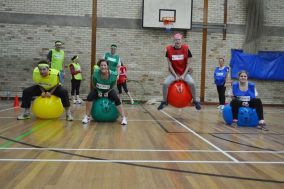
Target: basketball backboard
{"x":156,"y":11}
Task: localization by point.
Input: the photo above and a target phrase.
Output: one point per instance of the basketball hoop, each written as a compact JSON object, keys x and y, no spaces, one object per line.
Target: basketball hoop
{"x":168,"y":23}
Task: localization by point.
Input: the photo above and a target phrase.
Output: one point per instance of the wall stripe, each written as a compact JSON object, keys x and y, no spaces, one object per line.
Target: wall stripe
{"x":121,"y":23}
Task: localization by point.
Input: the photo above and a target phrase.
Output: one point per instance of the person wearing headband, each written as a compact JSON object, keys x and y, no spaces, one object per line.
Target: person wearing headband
{"x":113,"y":59}
{"x":76,"y":73}
{"x":56,"y":59}
{"x":178,"y":57}
{"x":46,"y":84}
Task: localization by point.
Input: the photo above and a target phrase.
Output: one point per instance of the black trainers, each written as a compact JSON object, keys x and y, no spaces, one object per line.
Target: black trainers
{"x":162,"y":105}
{"x":197,"y":105}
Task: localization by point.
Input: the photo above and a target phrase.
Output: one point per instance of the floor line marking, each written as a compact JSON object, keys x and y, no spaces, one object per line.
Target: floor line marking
{"x":6,"y":109}
{"x":142,"y":161}
{"x":146,"y":150}
{"x":202,"y":138}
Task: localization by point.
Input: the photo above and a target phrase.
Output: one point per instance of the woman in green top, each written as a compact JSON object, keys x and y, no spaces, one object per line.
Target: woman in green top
{"x":103,"y":82}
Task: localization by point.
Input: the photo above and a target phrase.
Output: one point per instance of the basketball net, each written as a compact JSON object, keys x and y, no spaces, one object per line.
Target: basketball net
{"x":168,"y":23}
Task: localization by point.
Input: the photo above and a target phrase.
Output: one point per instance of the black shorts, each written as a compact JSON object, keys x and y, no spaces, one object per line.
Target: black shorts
{"x":120,"y":86}
{"x":93,"y":95}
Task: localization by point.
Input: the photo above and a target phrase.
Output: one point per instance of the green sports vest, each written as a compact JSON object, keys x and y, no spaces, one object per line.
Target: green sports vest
{"x":112,"y":61}
{"x":103,"y":85}
{"x":77,"y":67}
{"x":57,"y":59}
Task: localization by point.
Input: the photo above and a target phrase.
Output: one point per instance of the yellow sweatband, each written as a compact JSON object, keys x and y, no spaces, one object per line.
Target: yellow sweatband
{"x":43,"y":65}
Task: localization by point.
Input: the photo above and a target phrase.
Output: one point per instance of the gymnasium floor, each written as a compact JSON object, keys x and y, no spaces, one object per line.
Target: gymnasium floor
{"x":173,"y":148}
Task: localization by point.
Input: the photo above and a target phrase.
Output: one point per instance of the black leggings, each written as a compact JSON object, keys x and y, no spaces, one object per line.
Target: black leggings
{"x":124,"y":85}
{"x":253,"y":103}
{"x":221,"y":94}
{"x":75,"y":86}
{"x":93,"y":95}
{"x":30,"y":92}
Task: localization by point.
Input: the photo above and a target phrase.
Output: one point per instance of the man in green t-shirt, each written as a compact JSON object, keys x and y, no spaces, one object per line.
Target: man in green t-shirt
{"x":113,"y":59}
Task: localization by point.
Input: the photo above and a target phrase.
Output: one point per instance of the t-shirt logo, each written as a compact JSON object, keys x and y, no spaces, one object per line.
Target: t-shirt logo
{"x":111,"y":59}
{"x":102,"y":86}
{"x":219,"y":74}
{"x":178,"y":57}
{"x":58,"y":56}
{"x":244,"y":98}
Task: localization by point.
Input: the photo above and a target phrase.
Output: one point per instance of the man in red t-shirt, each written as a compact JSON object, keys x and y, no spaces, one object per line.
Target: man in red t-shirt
{"x":178,"y":57}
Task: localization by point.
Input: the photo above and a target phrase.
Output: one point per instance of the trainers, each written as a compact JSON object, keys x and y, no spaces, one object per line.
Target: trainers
{"x":132,"y":101}
{"x":23,"y":117}
{"x":86,"y":119}
{"x":74,"y":101}
{"x":262,"y":126}
{"x":124,"y":121}
{"x":235,"y":123}
{"x":162,"y":105}
{"x":218,"y":107}
{"x":79,"y":101}
{"x":197,"y":105}
{"x":69,"y":117}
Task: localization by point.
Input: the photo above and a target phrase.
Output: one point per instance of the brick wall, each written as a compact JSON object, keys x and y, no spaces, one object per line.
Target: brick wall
{"x":142,"y":50}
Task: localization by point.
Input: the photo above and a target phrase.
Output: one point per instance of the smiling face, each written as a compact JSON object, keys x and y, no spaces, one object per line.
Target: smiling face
{"x":243,"y":77}
{"x":104,"y":67}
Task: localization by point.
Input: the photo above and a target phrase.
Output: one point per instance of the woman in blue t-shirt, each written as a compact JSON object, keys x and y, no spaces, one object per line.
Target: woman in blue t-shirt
{"x":220,"y":77}
{"x":244,"y":94}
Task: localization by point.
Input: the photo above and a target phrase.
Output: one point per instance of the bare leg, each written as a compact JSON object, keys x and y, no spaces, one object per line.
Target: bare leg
{"x":131,"y":99}
{"x":120,"y":110}
{"x":119,"y":96}
{"x":88,"y":108}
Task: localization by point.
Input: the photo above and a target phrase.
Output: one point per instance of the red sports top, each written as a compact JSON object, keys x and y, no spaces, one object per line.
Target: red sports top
{"x":122,"y":75}
{"x":178,"y":58}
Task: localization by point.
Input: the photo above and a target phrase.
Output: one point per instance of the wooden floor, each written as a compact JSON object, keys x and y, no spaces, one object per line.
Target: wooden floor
{"x":169,"y":149}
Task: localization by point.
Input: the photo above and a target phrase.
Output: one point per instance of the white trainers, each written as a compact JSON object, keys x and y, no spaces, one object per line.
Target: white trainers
{"x":69,"y":117}
{"x":132,"y":101}
{"x":218,"y":107}
{"x":124,"y":121}
{"x":79,"y":101}
{"x":86,"y":119}
{"x":74,"y":101}
{"x":24,"y":116}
